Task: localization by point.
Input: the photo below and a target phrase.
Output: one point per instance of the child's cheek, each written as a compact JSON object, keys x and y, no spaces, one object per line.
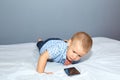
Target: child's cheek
{"x":77,"y":58}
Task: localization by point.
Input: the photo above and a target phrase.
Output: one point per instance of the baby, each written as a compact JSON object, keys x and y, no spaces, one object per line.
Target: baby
{"x":60,"y":51}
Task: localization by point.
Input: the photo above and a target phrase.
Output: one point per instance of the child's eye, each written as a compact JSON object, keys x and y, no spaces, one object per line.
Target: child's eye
{"x":74,"y":52}
{"x":79,"y":55}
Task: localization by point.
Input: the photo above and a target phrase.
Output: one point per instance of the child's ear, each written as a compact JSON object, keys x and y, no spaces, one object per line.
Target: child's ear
{"x":69,"y":42}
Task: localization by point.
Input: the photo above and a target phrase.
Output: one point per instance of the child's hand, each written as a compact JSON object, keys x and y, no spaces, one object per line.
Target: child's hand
{"x":49,"y":72}
{"x":67,"y":62}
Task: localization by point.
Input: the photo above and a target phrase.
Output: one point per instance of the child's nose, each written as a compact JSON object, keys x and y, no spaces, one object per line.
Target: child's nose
{"x":74,"y":57}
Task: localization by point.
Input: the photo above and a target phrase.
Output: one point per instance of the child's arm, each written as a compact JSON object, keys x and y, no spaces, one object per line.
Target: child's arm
{"x":42,"y":62}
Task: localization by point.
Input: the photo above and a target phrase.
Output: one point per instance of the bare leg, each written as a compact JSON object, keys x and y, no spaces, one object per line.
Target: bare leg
{"x":39,"y":39}
{"x":39,"y":43}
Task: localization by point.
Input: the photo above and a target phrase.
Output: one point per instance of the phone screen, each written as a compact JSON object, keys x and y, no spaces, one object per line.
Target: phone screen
{"x":71,"y":71}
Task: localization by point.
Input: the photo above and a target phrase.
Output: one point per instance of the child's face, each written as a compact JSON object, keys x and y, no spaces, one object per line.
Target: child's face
{"x":75,"y":51}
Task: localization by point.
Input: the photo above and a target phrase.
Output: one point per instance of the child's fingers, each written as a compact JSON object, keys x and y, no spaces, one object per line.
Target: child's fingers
{"x":49,"y":72}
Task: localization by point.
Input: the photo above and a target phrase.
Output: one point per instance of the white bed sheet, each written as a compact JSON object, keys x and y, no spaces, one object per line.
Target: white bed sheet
{"x":18,"y":62}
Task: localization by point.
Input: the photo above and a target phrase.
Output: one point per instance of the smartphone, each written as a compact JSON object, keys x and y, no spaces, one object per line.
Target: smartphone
{"x":71,"y":71}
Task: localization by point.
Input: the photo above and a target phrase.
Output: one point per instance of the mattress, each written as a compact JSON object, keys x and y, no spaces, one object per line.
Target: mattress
{"x":18,"y":62}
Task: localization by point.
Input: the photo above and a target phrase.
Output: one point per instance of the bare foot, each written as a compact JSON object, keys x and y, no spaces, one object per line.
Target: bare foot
{"x":39,"y":39}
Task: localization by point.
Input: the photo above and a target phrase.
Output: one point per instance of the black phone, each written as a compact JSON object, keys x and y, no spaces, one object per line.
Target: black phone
{"x":71,"y":71}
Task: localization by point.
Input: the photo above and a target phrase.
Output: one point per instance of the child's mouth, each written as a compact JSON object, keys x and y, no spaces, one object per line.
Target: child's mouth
{"x":70,"y":59}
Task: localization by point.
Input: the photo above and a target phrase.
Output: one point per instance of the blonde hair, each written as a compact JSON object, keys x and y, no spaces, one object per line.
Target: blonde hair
{"x":84,"y":38}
